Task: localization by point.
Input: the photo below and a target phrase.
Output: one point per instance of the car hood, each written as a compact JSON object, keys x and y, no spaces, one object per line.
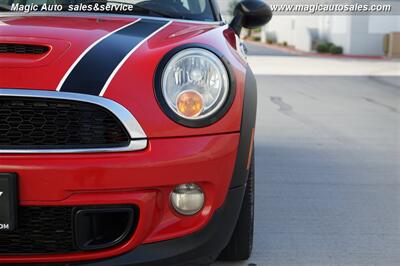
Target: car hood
{"x":73,"y":41}
{"x":115,"y":57}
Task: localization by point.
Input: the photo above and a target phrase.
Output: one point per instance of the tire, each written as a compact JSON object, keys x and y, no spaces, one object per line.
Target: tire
{"x":241,"y":244}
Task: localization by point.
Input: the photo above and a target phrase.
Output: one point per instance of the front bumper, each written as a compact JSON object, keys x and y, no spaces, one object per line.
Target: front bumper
{"x":201,"y":247}
{"x":143,"y":179}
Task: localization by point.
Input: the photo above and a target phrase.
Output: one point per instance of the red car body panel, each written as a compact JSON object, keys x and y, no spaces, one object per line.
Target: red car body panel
{"x":69,"y":37}
{"x":175,"y":154}
{"x":139,"y":178}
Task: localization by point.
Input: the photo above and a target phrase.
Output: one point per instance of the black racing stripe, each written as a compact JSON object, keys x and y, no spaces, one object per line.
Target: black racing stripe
{"x":92,"y":72}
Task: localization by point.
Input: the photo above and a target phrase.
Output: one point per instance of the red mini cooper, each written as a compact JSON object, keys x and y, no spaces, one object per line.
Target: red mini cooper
{"x":126,"y":132}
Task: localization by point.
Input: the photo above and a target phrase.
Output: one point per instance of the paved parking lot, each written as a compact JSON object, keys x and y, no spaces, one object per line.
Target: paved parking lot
{"x":328,"y":171}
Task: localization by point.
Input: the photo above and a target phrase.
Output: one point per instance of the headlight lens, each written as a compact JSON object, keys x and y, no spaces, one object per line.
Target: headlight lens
{"x":195,"y":83}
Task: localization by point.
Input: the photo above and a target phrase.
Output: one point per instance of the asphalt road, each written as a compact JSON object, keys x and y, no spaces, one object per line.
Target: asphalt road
{"x":327,"y":171}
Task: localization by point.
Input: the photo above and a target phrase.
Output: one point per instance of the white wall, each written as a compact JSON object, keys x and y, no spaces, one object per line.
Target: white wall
{"x":283,"y":28}
{"x":359,"y":35}
{"x":295,"y":30}
{"x":338,"y":31}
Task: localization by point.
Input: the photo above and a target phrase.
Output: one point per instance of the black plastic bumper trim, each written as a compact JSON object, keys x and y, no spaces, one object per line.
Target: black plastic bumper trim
{"x":248,"y":124}
{"x":201,"y":247}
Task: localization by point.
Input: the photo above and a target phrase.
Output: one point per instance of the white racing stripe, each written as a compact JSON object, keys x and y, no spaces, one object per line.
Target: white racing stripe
{"x":87,"y":50}
{"x":104,"y":89}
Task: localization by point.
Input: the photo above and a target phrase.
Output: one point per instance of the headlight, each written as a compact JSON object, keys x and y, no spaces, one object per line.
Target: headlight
{"x":195,"y":84}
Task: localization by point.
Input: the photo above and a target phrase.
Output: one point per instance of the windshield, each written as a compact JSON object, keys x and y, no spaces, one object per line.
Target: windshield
{"x":180,"y":9}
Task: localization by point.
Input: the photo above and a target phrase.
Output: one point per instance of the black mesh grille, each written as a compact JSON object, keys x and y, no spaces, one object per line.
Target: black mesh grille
{"x":41,"y":230}
{"x":23,"y":48}
{"x":36,"y":123}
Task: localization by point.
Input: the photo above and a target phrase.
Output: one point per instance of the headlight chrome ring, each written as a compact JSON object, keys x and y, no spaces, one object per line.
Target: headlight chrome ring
{"x":201,"y":72}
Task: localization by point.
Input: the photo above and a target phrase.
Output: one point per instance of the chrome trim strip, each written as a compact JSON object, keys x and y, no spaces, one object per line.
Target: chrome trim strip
{"x":135,"y":145}
{"x":135,"y":131}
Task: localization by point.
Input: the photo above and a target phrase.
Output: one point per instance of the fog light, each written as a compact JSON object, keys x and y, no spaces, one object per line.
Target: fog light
{"x":187,"y":199}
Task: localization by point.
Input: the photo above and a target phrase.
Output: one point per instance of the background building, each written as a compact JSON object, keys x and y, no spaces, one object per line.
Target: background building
{"x":356,"y":34}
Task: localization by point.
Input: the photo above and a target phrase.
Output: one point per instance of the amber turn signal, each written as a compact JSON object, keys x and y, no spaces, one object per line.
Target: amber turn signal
{"x":189,"y":103}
